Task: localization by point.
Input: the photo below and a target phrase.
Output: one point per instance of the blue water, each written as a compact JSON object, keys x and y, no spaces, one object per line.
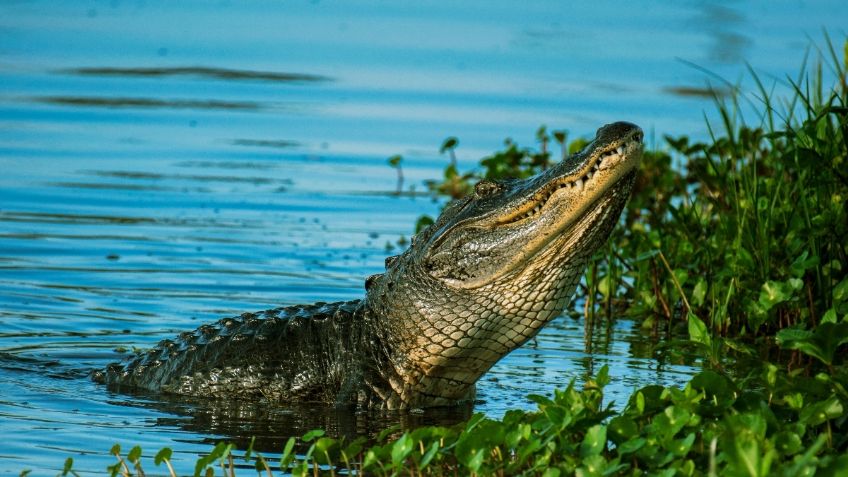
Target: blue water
{"x":136,"y":205}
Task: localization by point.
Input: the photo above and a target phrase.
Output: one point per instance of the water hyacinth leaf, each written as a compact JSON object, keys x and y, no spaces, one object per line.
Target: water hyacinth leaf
{"x":594,"y":441}
{"x":401,"y":449}
{"x":746,"y":455}
{"x":698,"y":331}
{"x":801,"y":264}
{"x":354,"y":448}
{"x":829,"y":316}
{"x":164,"y":454}
{"x":134,"y":455}
{"x":773,"y":292}
{"x":621,"y":429}
{"x":371,"y":459}
{"x":840,"y":291}
{"x":325,"y":449}
{"x":603,"y":377}
{"x":542,"y":401}
{"x":552,"y":472}
{"x":69,"y":465}
{"x":313,"y":434}
{"x":632,"y":445}
{"x":474,"y":460}
{"x":449,"y":143}
{"x":719,"y":392}
{"x":429,"y":455}
{"x":820,"y":412}
{"x":699,"y":292}
{"x":287,"y":456}
{"x":820,"y":344}
{"x":787,"y":442}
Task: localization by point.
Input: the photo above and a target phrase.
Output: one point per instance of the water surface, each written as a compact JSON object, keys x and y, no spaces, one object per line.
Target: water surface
{"x":165,"y":164}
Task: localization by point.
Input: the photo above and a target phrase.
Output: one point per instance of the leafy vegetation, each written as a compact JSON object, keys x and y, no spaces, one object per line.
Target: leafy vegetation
{"x":749,"y":232}
{"x":770,"y":423}
{"x":742,"y":245}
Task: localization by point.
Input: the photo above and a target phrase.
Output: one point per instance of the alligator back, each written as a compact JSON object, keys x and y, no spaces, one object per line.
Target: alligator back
{"x":304,"y":353}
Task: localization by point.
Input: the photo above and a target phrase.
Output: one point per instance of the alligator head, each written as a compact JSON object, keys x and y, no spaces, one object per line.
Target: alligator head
{"x":495,"y":267}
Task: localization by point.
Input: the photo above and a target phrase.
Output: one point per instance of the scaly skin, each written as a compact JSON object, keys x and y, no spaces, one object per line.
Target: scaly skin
{"x":493,"y":269}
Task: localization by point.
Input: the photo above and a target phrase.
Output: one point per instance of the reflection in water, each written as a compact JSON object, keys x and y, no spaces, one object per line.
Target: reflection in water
{"x":199,"y":71}
{"x":102,"y":102}
{"x":276,"y":144}
{"x":272,"y":424}
{"x":724,"y":24}
{"x":694,"y":91}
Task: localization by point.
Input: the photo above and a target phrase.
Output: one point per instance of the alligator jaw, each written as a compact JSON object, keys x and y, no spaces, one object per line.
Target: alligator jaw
{"x":495,"y":235}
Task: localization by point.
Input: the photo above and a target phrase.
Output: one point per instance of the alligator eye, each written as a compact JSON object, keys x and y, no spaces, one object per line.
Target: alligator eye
{"x":486,"y":188}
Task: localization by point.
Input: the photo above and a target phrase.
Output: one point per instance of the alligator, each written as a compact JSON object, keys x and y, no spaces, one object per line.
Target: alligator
{"x":484,"y":278}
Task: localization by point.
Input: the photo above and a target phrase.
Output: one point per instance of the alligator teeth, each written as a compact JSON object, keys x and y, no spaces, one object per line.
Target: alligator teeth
{"x":578,"y":184}
{"x":620,"y":150}
{"x":589,"y":175}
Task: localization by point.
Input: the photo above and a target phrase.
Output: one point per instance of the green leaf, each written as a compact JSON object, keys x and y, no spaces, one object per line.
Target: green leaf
{"x":632,"y":445}
{"x":449,"y":143}
{"x":551,"y":472}
{"x":699,"y":292}
{"x":401,"y":449}
{"x":698,"y":331}
{"x":602,"y":378}
{"x":312,"y":434}
{"x":134,"y":455}
{"x":621,"y":429}
{"x":594,"y":441}
{"x":69,"y":465}
{"x":476,"y":460}
{"x":840,"y":291}
{"x":820,"y":412}
{"x":395,"y":160}
{"x":163,"y":455}
{"x":287,"y":456}
{"x":801,"y":264}
{"x":423,"y":222}
{"x":325,"y":450}
{"x":428,"y":456}
{"x":787,"y":442}
{"x":773,"y":292}
{"x":829,"y":316}
{"x":821,"y":343}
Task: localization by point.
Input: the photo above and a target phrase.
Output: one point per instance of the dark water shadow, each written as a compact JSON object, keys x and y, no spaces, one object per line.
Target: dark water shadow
{"x":136,"y":175}
{"x":199,"y":72}
{"x":271,"y":424}
{"x":727,"y":28}
{"x":270,"y":143}
{"x":697,"y":92}
{"x":150,"y":103}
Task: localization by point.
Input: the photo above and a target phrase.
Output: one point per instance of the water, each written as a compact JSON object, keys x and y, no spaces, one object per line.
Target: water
{"x":165,"y":164}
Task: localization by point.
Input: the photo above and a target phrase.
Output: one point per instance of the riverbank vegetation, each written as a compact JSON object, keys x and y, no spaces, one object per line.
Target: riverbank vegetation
{"x":734,"y":249}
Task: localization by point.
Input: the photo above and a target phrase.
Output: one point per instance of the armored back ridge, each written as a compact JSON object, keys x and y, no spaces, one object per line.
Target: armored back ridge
{"x":493,"y":269}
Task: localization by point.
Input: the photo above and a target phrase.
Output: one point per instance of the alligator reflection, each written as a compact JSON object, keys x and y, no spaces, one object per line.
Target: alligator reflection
{"x":238,"y":421}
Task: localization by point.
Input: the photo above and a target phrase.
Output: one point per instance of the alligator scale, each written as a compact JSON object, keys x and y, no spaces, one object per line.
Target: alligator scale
{"x":493,"y":269}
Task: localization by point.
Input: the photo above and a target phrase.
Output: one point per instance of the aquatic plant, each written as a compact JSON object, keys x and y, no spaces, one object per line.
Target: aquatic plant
{"x":771,"y":422}
{"x":747,"y":232}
